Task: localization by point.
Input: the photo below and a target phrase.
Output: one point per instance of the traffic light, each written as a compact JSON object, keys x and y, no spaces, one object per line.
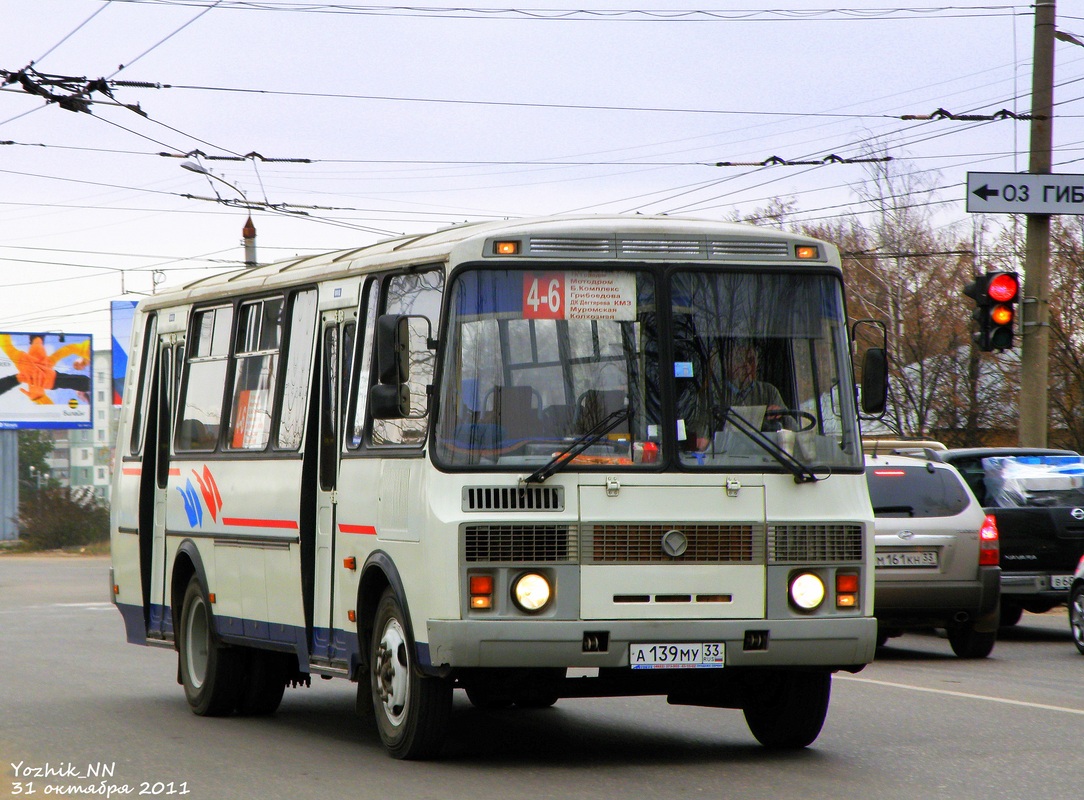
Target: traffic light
{"x":995,"y":295}
{"x":1003,"y":289}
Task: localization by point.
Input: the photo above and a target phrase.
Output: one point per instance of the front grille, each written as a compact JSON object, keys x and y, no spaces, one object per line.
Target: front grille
{"x":707,"y":544}
{"x":800,"y":544}
{"x":519,"y":544}
{"x":513,"y":498}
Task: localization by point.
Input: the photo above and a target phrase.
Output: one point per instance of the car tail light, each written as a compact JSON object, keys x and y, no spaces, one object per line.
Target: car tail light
{"x":989,"y":548}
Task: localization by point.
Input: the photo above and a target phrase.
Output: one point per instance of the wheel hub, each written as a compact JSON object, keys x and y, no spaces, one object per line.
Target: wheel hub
{"x":392,"y":672}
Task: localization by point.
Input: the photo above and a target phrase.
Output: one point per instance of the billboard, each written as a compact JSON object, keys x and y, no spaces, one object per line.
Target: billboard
{"x":121,"y":313}
{"x":45,"y":380}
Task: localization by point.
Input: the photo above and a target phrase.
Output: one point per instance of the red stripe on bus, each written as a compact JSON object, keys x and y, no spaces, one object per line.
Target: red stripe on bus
{"x":259,"y":523}
{"x":132,"y":471}
{"x":367,"y":530}
{"x":175,"y":472}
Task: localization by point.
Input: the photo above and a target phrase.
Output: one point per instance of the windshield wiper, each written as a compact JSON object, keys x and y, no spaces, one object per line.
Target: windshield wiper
{"x":803,"y":473}
{"x":581,"y":443}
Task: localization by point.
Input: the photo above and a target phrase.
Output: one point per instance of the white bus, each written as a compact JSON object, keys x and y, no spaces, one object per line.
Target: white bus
{"x":508,"y":458}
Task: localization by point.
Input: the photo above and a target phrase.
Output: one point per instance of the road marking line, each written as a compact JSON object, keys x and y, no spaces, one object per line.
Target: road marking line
{"x":964,"y":695}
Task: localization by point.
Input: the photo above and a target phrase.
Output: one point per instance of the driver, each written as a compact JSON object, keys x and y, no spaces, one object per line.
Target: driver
{"x":738,"y":385}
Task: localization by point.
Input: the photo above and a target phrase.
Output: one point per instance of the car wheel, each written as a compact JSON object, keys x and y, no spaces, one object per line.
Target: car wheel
{"x":412,"y":710}
{"x":1076,"y":616}
{"x":488,"y":697}
{"x":787,"y":709}
{"x":210,"y":671}
{"x":1010,"y":614}
{"x":967,"y":642}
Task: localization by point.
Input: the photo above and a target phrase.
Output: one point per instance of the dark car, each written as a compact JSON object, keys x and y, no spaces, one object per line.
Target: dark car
{"x":1076,"y":607}
{"x":1037,"y":497}
{"x":936,"y":554}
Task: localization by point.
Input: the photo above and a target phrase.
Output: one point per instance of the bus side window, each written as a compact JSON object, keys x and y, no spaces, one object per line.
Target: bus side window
{"x":301,"y":328}
{"x":208,"y":360}
{"x":256,"y":362}
{"x":146,"y":358}
{"x":416,"y":294}
{"x":360,"y":375}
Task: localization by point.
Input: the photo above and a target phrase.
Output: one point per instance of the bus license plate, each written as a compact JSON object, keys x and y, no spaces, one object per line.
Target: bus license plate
{"x":685,"y":655}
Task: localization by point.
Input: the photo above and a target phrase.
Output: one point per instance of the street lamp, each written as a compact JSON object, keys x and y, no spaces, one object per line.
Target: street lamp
{"x":37,"y":475}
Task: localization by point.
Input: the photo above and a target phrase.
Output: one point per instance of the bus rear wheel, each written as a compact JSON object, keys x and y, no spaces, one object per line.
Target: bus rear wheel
{"x":413,"y":711}
{"x":787,"y":709}
{"x":210,"y":671}
{"x":264,"y":683}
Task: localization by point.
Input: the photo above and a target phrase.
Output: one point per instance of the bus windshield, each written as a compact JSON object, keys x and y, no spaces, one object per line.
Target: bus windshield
{"x":535,"y":360}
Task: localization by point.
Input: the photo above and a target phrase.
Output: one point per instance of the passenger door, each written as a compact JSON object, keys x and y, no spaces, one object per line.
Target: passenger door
{"x":336,"y":346}
{"x":153,"y":489}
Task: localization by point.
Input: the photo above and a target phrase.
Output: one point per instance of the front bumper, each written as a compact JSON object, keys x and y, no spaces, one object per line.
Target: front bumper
{"x":838,"y":642}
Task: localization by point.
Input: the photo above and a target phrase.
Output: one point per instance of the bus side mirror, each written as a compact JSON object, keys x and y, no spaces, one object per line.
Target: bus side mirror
{"x":875,"y":381}
{"x":393,"y":349}
{"x":390,"y":397}
{"x":389,"y":401}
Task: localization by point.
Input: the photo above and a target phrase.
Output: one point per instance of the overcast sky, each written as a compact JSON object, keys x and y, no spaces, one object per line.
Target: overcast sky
{"x":388,"y":119}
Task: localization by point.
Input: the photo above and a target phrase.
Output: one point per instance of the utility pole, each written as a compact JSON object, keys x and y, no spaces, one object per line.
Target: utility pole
{"x":1035,"y":332}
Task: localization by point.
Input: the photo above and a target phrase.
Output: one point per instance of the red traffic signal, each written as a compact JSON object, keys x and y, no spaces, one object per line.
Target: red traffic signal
{"x":1002,"y":287}
{"x":995,"y":295}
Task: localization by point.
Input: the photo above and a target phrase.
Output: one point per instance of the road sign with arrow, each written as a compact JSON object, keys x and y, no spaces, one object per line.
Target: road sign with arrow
{"x":1024,"y":193}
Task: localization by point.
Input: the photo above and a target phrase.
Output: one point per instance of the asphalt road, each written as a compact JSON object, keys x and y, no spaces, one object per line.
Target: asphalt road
{"x":80,"y":709}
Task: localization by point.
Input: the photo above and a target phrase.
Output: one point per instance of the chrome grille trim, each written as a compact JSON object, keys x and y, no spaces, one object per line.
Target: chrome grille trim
{"x":723,"y":249}
{"x":687,"y":248}
{"x":628,"y":543}
{"x":513,"y":498}
{"x":519,"y":544}
{"x":570,"y":245}
{"x":803,"y":543}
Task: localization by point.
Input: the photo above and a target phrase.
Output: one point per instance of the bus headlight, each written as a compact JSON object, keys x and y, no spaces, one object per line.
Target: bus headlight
{"x":806,"y":591}
{"x":531,"y":592}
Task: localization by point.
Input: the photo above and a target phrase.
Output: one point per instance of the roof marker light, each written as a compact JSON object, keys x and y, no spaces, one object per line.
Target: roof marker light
{"x":509,"y":248}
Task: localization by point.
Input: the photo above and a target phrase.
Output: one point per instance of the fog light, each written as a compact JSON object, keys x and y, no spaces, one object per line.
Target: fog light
{"x":807,"y":591}
{"x":531,"y":592}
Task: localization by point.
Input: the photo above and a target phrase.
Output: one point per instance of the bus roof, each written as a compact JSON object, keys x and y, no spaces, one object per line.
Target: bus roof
{"x":674,"y":238}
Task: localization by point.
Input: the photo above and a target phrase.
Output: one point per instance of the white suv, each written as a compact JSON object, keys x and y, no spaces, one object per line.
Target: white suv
{"x":936,"y":553}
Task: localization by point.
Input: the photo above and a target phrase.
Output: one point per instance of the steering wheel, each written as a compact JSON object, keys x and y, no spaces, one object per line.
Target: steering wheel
{"x":805,"y":420}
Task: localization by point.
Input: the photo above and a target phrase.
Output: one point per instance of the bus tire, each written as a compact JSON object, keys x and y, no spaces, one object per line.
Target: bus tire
{"x":264,"y":682}
{"x":788,"y":709}
{"x":413,"y":711}
{"x":210,"y":671}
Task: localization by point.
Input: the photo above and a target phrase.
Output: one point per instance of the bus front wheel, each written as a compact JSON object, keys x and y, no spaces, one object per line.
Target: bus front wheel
{"x":210,"y":672}
{"x":787,"y":709}
{"x":412,"y":710}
